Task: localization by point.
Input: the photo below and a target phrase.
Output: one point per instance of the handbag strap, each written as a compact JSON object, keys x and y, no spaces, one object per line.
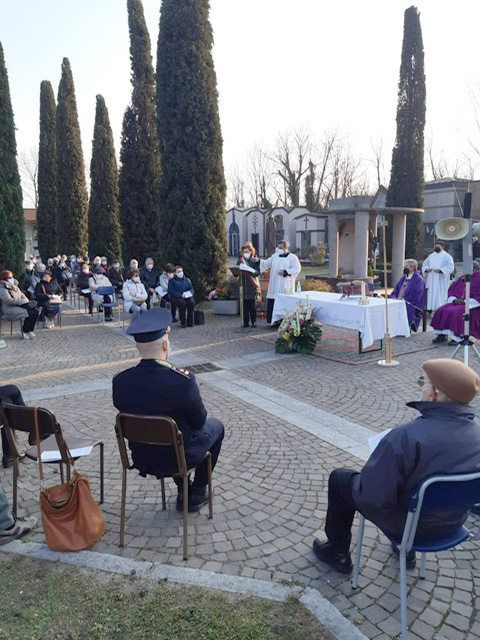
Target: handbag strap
{"x":37,"y":435}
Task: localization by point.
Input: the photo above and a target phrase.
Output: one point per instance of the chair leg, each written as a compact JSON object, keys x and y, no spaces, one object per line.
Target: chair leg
{"x":423,"y":557}
{"x":358,"y":551}
{"x":210,"y":496}
{"x":62,"y":477}
{"x":403,"y":594}
{"x":185,"y":516}
{"x":122,"y":507}
{"x":101,"y":472}
{"x":164,"y":501}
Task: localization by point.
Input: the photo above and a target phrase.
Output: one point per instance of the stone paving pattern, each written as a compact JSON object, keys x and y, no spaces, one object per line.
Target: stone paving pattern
{"x":271,"y":479}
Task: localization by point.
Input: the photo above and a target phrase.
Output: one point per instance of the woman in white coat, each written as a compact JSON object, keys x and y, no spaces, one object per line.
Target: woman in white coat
{"x":96,"y":280}
{"x":134,"y":294}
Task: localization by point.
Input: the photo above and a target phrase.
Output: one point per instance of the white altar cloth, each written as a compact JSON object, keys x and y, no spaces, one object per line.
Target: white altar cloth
{"x":368,"y":319}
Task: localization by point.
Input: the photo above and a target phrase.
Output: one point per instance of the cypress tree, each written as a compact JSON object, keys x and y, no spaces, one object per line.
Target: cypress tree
{"x":12,"y":226}
{"x":47,"y":187}
{"x":139,"y":203}
{"x":407,"y":176}
{"x":192,"y":183}
{"x":72,"y":199}
{"x":104,"y":236}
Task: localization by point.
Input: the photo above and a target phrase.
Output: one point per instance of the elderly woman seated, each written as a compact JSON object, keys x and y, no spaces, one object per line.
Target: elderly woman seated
{"x":15,"y":304}
{"x":411,"y":288}
{"x":49,"y":297}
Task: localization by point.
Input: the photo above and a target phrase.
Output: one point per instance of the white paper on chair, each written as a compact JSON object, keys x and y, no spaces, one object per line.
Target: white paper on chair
{"x":375,"y":440}
{"x":188,"y":294}
{"x":245,"y":267}
{"x":86,"y":291}
{"x":54,"y":456}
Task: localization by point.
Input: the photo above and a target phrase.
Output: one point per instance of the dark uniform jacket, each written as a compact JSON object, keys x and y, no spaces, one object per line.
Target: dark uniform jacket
{"x":444,"y":439}
{"x":154,"y":387}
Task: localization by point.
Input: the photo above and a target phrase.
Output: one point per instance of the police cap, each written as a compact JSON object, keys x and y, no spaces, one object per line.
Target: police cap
{"x":150,"y":325}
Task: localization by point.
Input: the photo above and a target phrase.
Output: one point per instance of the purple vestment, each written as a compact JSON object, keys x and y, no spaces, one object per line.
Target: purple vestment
{"x":413,"y":292}
{"x":450,"y":316}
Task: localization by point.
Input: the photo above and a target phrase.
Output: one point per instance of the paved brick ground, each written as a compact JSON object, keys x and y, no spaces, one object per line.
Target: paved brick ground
{"x":271,"y":478}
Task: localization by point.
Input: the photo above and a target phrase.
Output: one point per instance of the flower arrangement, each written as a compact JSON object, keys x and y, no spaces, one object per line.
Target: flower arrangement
{"x":228,"y":292}
{"x":298,"y":331}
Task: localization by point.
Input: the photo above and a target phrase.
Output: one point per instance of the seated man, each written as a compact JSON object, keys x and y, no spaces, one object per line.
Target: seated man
{"x":181,"y":293}
{"x":444,"y":439}
{"x":411,"y":288}
{"x":448,"y":320}
{"x":155,"y":388}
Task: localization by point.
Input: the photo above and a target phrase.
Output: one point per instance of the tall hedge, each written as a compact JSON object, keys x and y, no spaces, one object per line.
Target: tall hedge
{"x":139,"y":203}
{"x":47,"y":169}
{"x":192,"y":183}
{"x":72,"y":199}
{"x":407,"y":176}
{"x":12,"y":227}
{"x":104,"y":234}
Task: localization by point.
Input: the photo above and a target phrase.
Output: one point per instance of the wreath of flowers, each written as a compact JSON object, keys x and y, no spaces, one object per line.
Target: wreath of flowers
{"x":298,"y":332}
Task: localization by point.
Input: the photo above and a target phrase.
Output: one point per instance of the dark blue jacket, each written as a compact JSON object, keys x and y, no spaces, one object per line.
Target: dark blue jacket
{"x":444,"y":439}
{"x":178,"y":286}
{"x":152,"y":388}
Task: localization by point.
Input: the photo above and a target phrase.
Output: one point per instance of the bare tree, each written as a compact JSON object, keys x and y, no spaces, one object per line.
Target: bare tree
{"x":292,"y":154}
{"x":260,"y":178}
{"x":28,"y":166}
{"x":378,"y":160}
{"x":347,"y":177}
{"x":462,"y":166}
{"x":236,"y":187}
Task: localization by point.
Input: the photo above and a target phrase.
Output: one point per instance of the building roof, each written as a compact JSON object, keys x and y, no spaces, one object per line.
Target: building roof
{"x":30,"y":215}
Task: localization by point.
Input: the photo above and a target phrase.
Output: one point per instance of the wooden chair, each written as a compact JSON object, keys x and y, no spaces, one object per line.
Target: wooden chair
{"x":159,"y":431}
{"x":18,"y":418}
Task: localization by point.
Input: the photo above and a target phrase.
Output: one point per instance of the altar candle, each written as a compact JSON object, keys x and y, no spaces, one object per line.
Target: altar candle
{"x":363,"y":290}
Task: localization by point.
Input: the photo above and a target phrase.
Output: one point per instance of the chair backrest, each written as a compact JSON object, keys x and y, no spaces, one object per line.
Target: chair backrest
{"x":441,"y":493}
{"x":159,"y":431}
{"x":18,"y":418}
{"x":105,"y":291}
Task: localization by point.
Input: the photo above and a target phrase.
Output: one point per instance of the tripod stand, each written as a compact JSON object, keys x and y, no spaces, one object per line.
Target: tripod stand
{"x":465,"y":342}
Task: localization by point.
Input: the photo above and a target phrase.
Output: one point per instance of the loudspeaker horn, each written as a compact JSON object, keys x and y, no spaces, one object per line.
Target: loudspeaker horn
{"x":451,"y":228}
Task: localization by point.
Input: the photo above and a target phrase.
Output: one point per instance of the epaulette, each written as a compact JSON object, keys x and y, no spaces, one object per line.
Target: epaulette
{"x":182,"y":372}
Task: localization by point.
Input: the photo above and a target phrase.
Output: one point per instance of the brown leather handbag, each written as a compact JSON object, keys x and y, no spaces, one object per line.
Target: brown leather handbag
{"x":71,"y":518}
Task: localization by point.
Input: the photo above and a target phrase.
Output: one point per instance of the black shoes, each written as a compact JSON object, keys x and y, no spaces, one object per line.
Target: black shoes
{"x":411,"y":557}
{"x":325,"y":552}
{"x":197,"y":497}
{"x":440,"y":338}
{"x":7,"y":462}
{"x":174,"y":319}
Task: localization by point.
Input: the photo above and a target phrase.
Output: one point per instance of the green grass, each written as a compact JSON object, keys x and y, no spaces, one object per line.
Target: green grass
{"x":40,"y":600}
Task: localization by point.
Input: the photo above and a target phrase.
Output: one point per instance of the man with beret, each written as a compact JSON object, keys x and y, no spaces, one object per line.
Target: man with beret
{"x":445,"y":438}
{"x":156,"y":388}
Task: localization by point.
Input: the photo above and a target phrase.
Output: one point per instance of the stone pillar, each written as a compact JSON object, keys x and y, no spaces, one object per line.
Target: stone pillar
{"x":333,"y":245}
{"x":360,"y":259}
{"x":398,"y":246}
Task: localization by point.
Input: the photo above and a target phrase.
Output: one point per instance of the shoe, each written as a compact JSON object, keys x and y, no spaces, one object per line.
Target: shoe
{"x":452,"y":343}
{"x":440,"y":338}
{"x":32,"y":335}
{"x":245,"y":326}
{"x":411,"y":557}
{"x":21,"y":527}
{"x":254,"y":325}
{"x":174,"y":319}
{"x":325,"y":552}
{"x":109,"y":319}
{"x":199,"y":496}
{"x":90,"y":313}
{"x":184,"y":326}
{"x":7,"y":462}
{"x":25,"y":336}
{"x":189,"y":325}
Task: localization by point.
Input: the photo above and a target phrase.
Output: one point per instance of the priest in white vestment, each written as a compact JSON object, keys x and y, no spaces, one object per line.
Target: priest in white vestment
{"x":284,"y":269}
{"x":436,"y":270}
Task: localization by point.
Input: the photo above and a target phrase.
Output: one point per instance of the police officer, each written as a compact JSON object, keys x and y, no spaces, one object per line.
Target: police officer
{"x":155,"y":387}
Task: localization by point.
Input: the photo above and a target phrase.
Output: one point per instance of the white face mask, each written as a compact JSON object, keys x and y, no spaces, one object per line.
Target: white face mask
{"x":97,"y":262}
{"x":133,"y":265}
{"x":247,"y":254}
{"x":10,"y":280}
{"x":149,"y":266}
{"x":136,"y":278}
{"x":85,"y":270}
{"x":179,"y":274}
{"x":116,"y":265}
{"x":104,"y":262}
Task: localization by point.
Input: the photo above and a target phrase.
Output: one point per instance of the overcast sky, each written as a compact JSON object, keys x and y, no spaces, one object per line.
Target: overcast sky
{"x":279,"y":63}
